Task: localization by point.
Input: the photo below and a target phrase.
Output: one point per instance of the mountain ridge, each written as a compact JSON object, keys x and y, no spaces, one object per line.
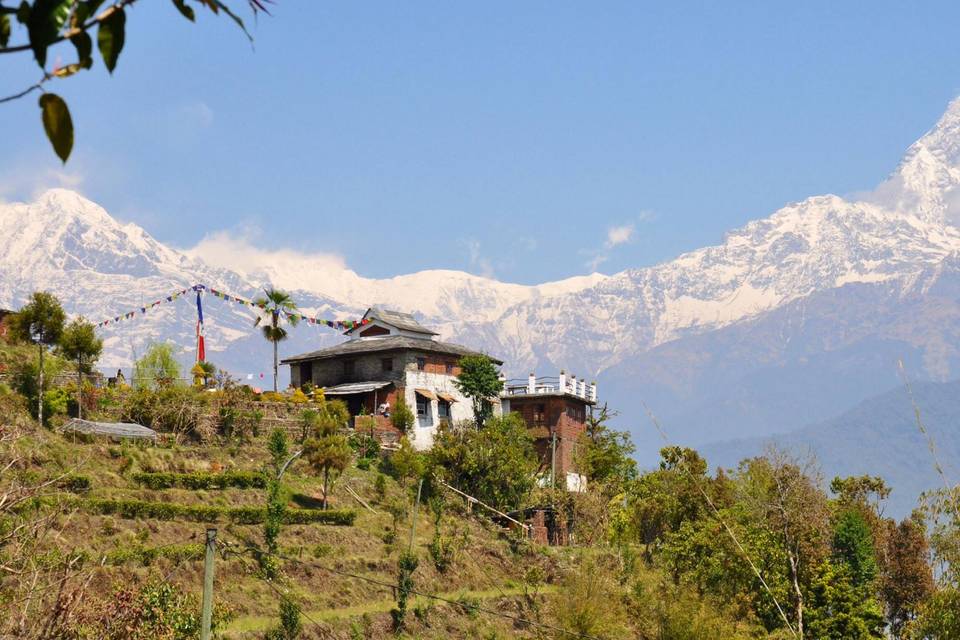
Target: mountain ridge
{"x":816,"y":300}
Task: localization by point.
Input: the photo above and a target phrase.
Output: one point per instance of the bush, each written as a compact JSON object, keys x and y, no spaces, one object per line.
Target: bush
{"x":201,"y":480}
{"x":133,"y":509}
{"x":75,"y":483}
{"x":146,"y":556}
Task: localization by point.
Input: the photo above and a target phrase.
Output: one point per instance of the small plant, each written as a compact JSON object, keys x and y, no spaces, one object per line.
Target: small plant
{"x":402,"y":417}
{"x":290,"y":625}
{"x":75,"y":483}
{"x":380,"y":487}
{"x":407,"y":564}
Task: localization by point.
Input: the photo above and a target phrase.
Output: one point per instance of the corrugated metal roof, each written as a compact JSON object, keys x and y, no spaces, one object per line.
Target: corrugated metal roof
{"x":113,"y":429}
{"x":387,"y":343}
{"x":350,"y":388}
{"x":398,"y":319}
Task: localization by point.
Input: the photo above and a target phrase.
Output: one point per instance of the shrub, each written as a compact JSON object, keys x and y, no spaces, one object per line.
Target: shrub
{"x":133,"y":509}
{"x":146,"y":556}
{"x":75,"y":483}
{"x":201,"y":480}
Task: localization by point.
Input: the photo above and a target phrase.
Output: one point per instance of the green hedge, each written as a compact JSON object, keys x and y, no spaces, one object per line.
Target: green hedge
{"x":133,"y":509}
{"x":201,"y":480}
{"x":147,"y":555}
{"x":75,"y":482}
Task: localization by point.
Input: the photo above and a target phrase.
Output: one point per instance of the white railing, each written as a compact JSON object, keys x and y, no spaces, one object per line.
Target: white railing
{"x":563,"y":383}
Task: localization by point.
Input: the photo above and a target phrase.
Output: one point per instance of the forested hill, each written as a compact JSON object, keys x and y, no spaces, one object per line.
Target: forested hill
{"x":879,"y":436}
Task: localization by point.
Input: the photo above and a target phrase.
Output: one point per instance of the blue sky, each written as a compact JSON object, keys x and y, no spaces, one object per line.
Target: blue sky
{"x":531,"y":141}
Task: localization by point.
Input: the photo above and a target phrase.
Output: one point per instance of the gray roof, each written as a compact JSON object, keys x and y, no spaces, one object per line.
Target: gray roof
{"x":112,"y":429}
{"x":350,"y":388}
{"x":397,"y":319}
{"x":386,"y":343}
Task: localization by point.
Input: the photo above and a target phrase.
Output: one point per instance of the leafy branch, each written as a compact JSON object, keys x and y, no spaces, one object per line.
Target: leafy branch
{"x":50,"y":22}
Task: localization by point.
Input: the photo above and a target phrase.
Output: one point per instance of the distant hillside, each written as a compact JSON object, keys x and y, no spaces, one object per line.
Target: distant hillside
{"x":879,"y":437}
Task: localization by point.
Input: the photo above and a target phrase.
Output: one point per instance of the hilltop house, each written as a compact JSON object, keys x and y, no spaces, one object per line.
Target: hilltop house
{"x":555,"y":410}
{"x":391,"y":357}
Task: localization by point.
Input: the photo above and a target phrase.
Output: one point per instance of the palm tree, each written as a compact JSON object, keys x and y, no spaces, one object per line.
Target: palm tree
{"x":274,"y":304}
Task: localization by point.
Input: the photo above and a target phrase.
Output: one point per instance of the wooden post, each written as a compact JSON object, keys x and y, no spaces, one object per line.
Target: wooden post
{"x":207,"y":611}
{"x":40,"y":401}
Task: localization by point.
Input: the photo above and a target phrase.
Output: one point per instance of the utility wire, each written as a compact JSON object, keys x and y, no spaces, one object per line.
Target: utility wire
{"x":432,"y":596}
{"x":716,"y":513}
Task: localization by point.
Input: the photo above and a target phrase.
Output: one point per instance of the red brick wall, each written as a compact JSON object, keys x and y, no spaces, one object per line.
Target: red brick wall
{"x":564,"y":415}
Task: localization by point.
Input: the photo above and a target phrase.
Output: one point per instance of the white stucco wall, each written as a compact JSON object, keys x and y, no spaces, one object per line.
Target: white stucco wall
{"x":422,"y":434}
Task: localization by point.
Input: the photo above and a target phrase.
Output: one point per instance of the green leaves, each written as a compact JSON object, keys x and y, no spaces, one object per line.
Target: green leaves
{"x":44,"y":22}
{"x":110,"y":37}
{"x":4,"y":29}
{"x":84,"y":46}
{"x":58,"y":124}
{"x":186,"y":10}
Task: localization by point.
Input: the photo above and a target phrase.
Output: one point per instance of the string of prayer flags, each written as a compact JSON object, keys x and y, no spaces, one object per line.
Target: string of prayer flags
{"x":342,"y":325}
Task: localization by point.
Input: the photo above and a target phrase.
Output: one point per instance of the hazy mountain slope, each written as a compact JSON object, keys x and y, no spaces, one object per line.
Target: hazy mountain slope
{"x":803,"y":362}
{"x":877,"y":437}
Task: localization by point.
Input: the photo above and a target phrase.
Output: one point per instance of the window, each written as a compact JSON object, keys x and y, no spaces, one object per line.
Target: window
{"x":348,"y":367}
{"x":386,"y":364}
{"x":421,"y":363}
{"x":443,"y":409}
{"x":539,"y":415}
{"x":449,"y":368}
{"x":423,"y":407}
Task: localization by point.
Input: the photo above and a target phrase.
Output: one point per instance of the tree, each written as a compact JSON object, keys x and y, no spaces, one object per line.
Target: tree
{"x":276,"y":304}
{"x":40,"y":321}
{"x":605,"y":455}
{"x":47,"y":23}
{"x":839,"y":609}
{"x":907,"y":580}
{"x":495,"y":464}
{"x":853,"y":547}
{"x":328,"y":451}
{"x":402,"y":417}
{"x":480,"y":381}
{"x":158,"y":368}
{"x":202,"y":372}
{"x":80,"y":344}
{"x":781,"y":495}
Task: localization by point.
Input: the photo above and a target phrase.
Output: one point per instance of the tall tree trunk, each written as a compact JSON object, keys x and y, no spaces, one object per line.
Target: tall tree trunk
{"x":274,"y":366}
{"x":40,"y":394}
{"x":795,"y":579}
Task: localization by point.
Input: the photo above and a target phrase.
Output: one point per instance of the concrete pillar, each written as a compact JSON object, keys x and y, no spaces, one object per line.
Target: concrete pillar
{"x":573,"y":384}
{"x":532,"y":383}
{"x":593,"y":391}
{"x":563,"y":381}
{"x":583,"y":389}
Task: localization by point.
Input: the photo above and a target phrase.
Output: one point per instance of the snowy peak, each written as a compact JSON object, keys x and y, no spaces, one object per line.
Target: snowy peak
{"x":62,"y":230}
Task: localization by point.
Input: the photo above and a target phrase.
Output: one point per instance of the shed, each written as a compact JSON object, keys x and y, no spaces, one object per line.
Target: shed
{"x":117,"y":430}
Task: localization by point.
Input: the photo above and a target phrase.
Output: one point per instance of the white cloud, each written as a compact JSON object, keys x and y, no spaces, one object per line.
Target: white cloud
{"x":198,"y":113}
{"x":27,"y":183}
{"x":287,"y":268}
{"x":479,"y":264}
{"x":619,"y":235}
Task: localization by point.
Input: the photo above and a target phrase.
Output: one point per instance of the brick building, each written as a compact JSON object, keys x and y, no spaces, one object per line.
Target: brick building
{"x":555,"y":409}
{"x":390,"y":359}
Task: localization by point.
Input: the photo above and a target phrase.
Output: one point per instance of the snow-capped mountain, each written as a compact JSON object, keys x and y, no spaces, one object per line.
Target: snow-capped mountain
{"x":772,"y":272}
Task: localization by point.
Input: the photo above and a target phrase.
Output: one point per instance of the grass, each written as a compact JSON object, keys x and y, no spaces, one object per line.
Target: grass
{"x":151,"y":545}
{"x":251,"y":624}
